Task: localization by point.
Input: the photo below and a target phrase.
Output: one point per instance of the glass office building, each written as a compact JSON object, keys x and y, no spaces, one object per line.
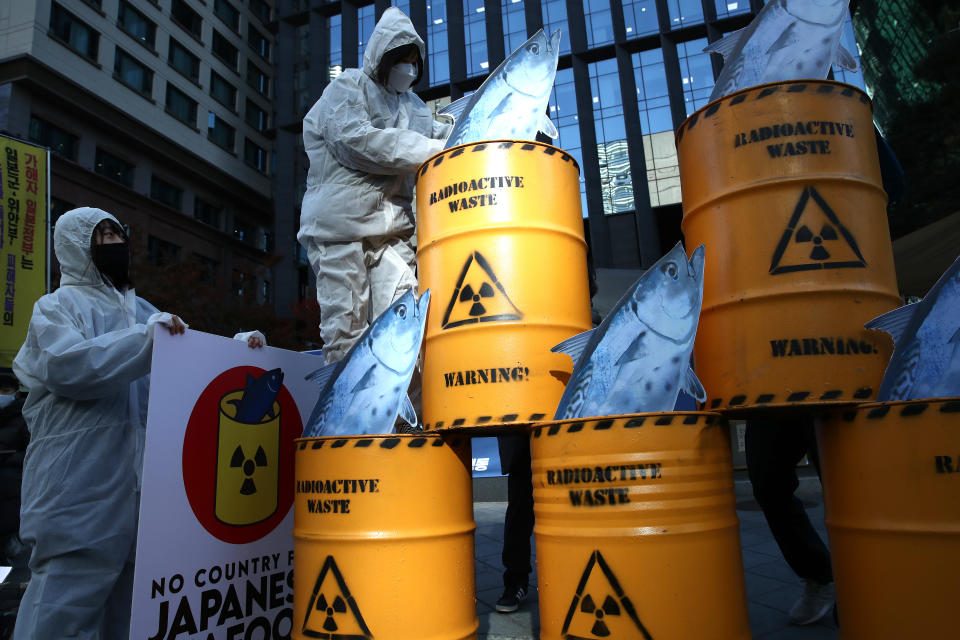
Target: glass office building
{"x":630,"y":72}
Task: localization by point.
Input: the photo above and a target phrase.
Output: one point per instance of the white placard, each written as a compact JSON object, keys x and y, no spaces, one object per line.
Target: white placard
{"x":215,"y":545}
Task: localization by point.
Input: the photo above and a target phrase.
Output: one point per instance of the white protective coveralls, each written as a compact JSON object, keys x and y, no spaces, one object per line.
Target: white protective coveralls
{"x":364,"y":142}
{"x":86,"y":361}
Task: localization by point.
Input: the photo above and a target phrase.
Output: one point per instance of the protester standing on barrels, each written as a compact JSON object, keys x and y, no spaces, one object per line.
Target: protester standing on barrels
{"x":365,"y":137}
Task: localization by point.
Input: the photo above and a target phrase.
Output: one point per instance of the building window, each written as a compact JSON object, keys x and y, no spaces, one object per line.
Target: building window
{"x":684,"y":13}
{"x":228,"y":13}
{"x":168,"y":194}
{"x":696,"y":74}
{"x":335,"y":51}
{"x":187,"y":18}
{"x":475,"y":36}
{"x":111,"y":166}
{"x":366,"y":21}
{"x":49,"y":135}
{"x":640,"y":17}
{"x":59,"y":207}
{"x":656,"y":123}
{"x":132,"y":73}
{"x":181,"y":106}
{"x":301,"y":68}
{"x":184,"y":61}
{"x":258,"y":80}
{"x":599,"y":22}
{"x":616,"y":182}
{"x":222,"y":91}
{"x":224,"y":50}
{"x":255,"y":116}
{"x":437,"y":46}
{"x":267,"y":291}
{"x":208,"y":268}
{"x":220,"y":132}
{"x":726,"y":8}
{"x":258,"y":42}
{"x":563,"y":112}
{"x":261,"y":9}
{"x":514,"y":24}
{"x":206,"y":212}
{"x":74,"y":33}
{"x":254,"y":155}
{"x":242,"y":283}
{"x":137,"y":25}
{"x":162,"y":252}
{"x":555,"y":17}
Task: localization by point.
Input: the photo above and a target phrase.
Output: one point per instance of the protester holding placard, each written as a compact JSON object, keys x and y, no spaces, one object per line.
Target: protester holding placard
{"x":86,"y":361}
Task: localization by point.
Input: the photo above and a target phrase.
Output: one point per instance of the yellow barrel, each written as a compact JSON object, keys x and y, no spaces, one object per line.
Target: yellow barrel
{"x":636,"y":529}
{"x":891,"y":480}
{"x":781,"y":182}
{"x":501,"y":248}
{"x":383,"y":538}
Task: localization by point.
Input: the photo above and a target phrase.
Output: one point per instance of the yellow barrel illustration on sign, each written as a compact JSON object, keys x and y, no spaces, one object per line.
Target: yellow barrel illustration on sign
{"x":781,"y":182}
{"x":247,"y":481}
{"x":636,"y":527}
{"x":891,"y":481}
{"x":383,"y":538}
{"x":501,"y":248}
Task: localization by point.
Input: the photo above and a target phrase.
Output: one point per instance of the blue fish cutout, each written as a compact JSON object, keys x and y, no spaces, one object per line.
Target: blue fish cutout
{"x":258,"y":397}
{"x":926,"y":335}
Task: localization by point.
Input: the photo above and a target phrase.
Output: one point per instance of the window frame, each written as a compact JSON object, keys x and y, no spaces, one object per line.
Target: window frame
{"x":122,"y":8}
{"x":218,"y":37}
{"x":198,"y":34}
{"x":117,"y":75}
{"x":94,"y":44}
{"x":130,"y":168}
{"x":171,"y":112}
{"x":194,"y":78}
{"x":214,"y":79}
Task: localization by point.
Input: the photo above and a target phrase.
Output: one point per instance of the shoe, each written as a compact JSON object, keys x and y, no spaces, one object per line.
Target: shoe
{"x":511,"y":599}
{"x":814,"y":604}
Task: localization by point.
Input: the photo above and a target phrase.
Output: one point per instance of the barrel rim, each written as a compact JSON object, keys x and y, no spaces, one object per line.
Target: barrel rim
{"x":629,"y":420}
{"x":422,"y":168}
{"x":714,"y":105}
{"x":907,"y":408}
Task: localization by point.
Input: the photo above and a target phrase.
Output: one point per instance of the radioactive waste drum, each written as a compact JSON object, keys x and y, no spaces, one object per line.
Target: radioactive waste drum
{"x":636,"y":529}
{"x":891,"y":481}
{"x":501,"y":248}
{"x":383,"y":538}
{"x":781,"y":182}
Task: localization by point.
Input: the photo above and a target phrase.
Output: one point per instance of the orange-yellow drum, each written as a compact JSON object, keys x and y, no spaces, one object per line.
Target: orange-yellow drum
{"x":781,"y":182}
{"x":501,"y":248}
{"x":891,"y":480}
{"x":383,"y":538}
{"x":636,"y":529}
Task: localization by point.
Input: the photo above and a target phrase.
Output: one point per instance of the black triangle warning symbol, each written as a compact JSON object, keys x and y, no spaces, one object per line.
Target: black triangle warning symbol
{"x":479,"y":296}
{"x":600,"y":609}
{"x":333,"y":613}
{"x":815,"y":239}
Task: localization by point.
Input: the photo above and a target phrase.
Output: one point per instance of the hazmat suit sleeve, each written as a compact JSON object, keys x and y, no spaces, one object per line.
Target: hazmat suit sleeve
{"x":343,"y":121}
{"x":441,"y":130}
{"x":58,"y":356}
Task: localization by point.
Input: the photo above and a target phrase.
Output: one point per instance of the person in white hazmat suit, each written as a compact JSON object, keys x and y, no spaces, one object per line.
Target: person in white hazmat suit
{"x":365,"y":137}
{"x":86,"y":361}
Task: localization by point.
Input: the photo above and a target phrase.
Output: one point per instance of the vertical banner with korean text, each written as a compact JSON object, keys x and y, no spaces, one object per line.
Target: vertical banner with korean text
{"x":23,"y":238}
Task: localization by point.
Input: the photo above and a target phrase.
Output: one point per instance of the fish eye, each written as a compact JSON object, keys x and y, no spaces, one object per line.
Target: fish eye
{"x":671,"y":270}
{"x":534,"y":48}
{"x":401,"y":310}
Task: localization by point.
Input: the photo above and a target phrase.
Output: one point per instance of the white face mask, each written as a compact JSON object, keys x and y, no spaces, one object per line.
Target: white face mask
{"x":402,"y":76}
{"x":6,"y":400}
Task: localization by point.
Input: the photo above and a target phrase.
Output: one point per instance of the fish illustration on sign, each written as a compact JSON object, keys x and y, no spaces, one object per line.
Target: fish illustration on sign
{"x":363,"y":393}
{"x":787,"y":40}
{"x":258,"y":397}
{"x":512,"y":102}
{"x":926,"y":335}
{"x":638,"y":359}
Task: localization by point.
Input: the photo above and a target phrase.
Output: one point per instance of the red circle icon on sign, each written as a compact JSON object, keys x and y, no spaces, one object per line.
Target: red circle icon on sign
{"x":238,"y":454}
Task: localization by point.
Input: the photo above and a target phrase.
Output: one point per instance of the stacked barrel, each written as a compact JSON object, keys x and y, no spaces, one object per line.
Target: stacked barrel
{"x":782,"y":184}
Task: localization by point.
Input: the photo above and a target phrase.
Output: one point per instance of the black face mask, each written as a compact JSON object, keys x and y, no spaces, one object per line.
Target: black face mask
{"x":113,"y":261}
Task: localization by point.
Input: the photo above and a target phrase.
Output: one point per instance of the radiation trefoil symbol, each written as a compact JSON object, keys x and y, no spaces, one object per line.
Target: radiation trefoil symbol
{"x":332,"y":613}
{"x":600,"y":608}
{"x":813,"y":241}
{"x":479,"y":296}
{"x":249,"y":467}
